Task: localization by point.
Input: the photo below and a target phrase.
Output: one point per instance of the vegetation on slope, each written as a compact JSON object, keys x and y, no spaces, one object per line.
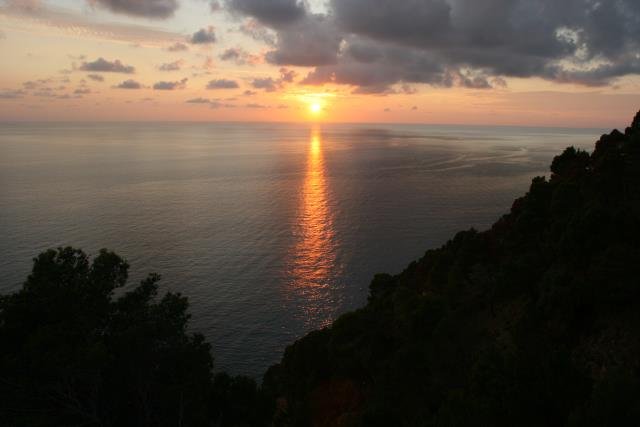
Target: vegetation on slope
{"x":74,"y":355}
{"x":535,"y":322}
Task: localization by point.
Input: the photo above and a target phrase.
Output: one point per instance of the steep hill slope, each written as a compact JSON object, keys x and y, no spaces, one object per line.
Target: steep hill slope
{"x":533,"y":322}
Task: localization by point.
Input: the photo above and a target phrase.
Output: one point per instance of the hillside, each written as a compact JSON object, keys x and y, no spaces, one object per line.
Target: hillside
{"x":533,"y":322}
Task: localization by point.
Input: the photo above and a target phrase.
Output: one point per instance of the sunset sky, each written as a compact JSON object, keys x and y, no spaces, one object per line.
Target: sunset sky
{"x":514,"y":62}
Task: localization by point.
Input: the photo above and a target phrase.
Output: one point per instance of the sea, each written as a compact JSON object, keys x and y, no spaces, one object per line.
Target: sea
{"x":270,"y":230}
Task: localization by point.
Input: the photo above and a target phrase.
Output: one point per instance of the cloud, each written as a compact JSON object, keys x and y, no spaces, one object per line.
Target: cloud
{"x":95,"y":77}
{"x":254,"y":29}
{"x":212,"y":103}
{"x":104,"y":66}
{"x":35,"y":84}
{"x":129,"y":84}
{"x":181,"y":84}
{"x":392,"y":64}
{"x":177,"y":47}
{"x":204,"y":36}
{"x":275,"y":13}
{"x":27,"y":15}
{"x":239,"y":56}
{"x":12,"y":93}
{"x":172,"y":66}
{"x":310,"y":41}
{"x":376,"y":44}
{"x":256,"y":106}
{"x":157,"y":9}
{"x":269,"y":84}
{"x":198,"y":101}
{"x":287,"y":76}
{"x":82,"y":91}
{"x":222,"y":84}
{"x":419,"y":22}
{"x":578,"y":41}
{"x":218,"y":104}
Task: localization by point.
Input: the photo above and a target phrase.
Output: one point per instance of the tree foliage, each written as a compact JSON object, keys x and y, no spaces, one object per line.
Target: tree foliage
{"x":74,"y":354}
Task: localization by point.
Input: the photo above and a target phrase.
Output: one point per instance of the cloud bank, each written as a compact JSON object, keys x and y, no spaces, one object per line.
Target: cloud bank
{"x":375,"y":44}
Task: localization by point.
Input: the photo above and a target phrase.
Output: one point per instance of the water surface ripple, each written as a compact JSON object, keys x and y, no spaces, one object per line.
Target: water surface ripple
{"x":271,"y":230}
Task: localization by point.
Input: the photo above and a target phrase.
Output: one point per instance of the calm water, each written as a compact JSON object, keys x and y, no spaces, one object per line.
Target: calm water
{"x":271,"y":230}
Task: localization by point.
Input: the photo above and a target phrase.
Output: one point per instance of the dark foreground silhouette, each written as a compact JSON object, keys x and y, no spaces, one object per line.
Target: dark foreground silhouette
{"x":535,"y":322}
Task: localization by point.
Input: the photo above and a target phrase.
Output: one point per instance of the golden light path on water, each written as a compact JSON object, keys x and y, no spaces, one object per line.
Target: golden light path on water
{"x":314,"y":254}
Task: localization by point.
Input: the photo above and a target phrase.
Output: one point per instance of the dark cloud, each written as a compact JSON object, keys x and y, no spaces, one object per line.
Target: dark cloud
{"x":392,"y":65}
{"x":129,"y":84}
{"x":256,"y":106}
{"x":580,"y":41}
{"x":204,"y":36}
{"x":172,"y":66}
{"x":275,"y":13}
{"x":181,"y":84}
{"x":406,"y":21}
{"x":82,"y":91}
{"x":376,"y":44}
{"x":158,"y":9}
{"x":104,"y":66}
{"x":96,"y":77}
{"x":252,"y":28}
{"x":222,"y":84}
{"x":310,"y":41}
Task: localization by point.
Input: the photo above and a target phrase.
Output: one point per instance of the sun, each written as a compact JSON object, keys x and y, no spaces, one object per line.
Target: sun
{"x":315,"y":108}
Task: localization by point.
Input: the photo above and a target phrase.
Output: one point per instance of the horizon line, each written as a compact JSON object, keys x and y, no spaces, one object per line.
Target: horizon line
{"x":304,"y":123}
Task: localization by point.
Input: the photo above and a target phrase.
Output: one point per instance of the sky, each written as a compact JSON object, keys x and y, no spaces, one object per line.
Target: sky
{"x":570,"y":63}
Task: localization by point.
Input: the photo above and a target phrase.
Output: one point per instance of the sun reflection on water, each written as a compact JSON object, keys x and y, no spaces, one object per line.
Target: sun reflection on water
{"x":314,"y":254}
